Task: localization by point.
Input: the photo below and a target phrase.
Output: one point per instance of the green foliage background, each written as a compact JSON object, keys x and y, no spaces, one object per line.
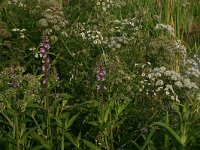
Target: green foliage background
{"x":124,"y":75}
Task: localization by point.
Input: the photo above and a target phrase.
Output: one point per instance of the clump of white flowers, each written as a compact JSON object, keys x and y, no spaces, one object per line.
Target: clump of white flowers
{"x":17,"y":3}
{"x":53,"y":22}
{"x":192,"y":68}
{"x":165,"y":27}
{"x":165,"y":83}
{"x":105,"y":5}
{"x":90,"y":33}
{"x":35,"y":52}
{"x":167,"y":52}
{"x":20,"y":31}
{"x":117,"y":42}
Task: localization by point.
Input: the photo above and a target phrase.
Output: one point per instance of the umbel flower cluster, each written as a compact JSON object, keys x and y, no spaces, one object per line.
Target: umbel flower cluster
{"x":105,"y":5}
{"x":165,"y":83}
{"x":54,"y":22}
{"x":89,"y":33}
{"x":44,"y":47}
{"x":115,"y":37}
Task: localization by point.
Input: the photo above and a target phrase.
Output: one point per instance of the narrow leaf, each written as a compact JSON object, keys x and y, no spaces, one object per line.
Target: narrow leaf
{"x":71,"y":121}
{"x":149,"y":138}
{"x":42,"y":141}
{"x":72,"y":139}
{"x":91,"y":145}
{"x":170,"y":130}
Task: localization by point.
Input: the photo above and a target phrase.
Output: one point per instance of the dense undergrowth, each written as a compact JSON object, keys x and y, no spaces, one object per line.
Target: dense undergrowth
{"x":99,"y":74}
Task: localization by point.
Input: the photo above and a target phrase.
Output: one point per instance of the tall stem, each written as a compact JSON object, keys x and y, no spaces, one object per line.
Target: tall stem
{"x":16,"y":127}
{"x":48,"y":121}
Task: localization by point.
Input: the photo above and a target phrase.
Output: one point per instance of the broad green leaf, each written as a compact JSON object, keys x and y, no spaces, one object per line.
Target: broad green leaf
{"x":91,"y":145}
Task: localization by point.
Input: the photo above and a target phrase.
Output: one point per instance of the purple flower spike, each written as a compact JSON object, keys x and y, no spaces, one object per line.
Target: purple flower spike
{"x":44,"y":46}
{"x":101,"y":76}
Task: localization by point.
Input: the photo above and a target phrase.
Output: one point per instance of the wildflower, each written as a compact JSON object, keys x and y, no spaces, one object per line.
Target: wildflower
{"x":44,"y":46}
{"x":143,"y":74}
{"x":178,"y":84}
{"x":150,"y":75}
{"x":172,"y":97}
{"x":169,"y":87}
{"x":157,"y":74}
{"x":173,"y":77}
{"x":22,"y":36}
{"x":101,"y":73}
{"x":167,"y":73}
{"x":167,"y":93}
{"x":14,"y":29}
{"x":156,"y":69}
{"x":159,"y":83}
{"x":162,"y":69}
{"x":159,"y":88}
{"x":148,"y":63}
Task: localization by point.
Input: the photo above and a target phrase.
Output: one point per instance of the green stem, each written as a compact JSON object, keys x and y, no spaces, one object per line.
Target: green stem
{"x":111,"y":130}
{"x":63,"y":141}
{"x":8,"y":119}
{"x":17,"y":138}
{"x":48,"y":122}
{"x":106,"y":141}
{"x":39,"y":129}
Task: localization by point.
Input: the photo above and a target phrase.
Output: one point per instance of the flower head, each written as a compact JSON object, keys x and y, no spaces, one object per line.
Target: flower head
{"x":44,"y":46}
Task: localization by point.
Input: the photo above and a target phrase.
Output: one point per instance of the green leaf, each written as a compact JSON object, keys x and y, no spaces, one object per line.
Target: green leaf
{"x":107,"y":112}
{"x":91,"y":145}
{"x":147,"y":140}
{"x":72,"y":139}
{"x":122,"y":107}
{"x":68,"y":123}
{"x":166,"y":135}
{"x":26,"y":134}
{"x":58,"y":121}
{"x":34,"y":105}
{"x":37,"y":147}
{"x":173,"y":133}
{"x":138,"y":147}
{"x":42,"y":141}
{"x":94,"y":123}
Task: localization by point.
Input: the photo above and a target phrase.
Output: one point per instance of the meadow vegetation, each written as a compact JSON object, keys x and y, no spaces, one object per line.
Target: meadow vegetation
{"x":99,"y":74}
